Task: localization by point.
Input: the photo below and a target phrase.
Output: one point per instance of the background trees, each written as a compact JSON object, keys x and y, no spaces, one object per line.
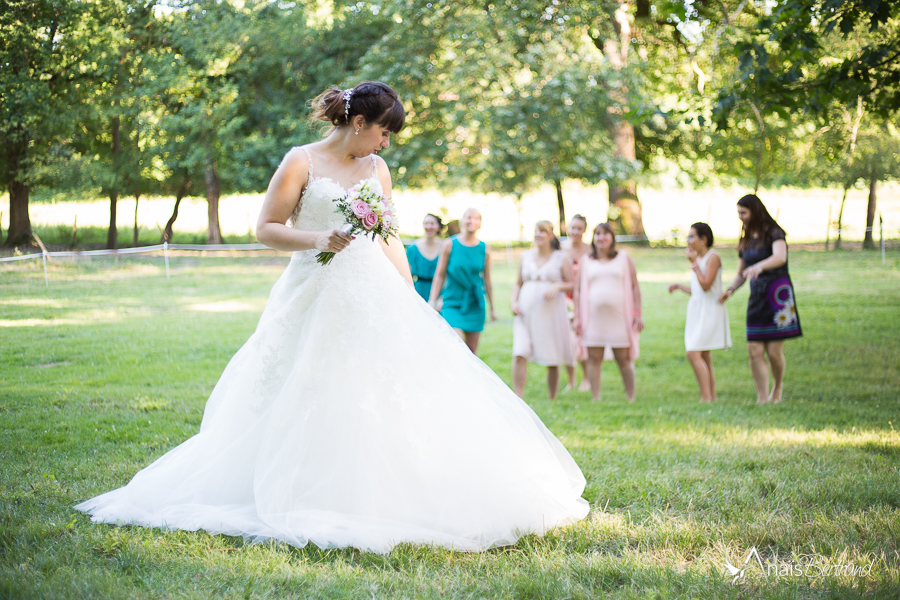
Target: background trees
{"x":134,"y":97}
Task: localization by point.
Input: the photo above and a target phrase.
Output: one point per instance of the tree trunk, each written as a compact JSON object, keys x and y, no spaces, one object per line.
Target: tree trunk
{"x":624,"y":206}
{"x":869,"y":241}
{"x":19,"y":220}
{"x":112,"y":236}
{"x":837,"y":242}
{"x":137,"y":197}
{"x":214,"y":235}
{"x":181,"y":193}
{"x":562,"y":208}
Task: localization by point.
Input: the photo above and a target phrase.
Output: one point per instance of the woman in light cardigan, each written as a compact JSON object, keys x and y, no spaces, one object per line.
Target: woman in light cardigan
{"x":608,"y":309}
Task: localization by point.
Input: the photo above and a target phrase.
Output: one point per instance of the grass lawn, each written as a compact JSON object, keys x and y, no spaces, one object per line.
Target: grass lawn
{"x":110,"y":367}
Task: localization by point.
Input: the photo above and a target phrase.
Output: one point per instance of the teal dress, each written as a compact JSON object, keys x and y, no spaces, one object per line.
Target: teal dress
{"x":464,"y":293}
{"x":422,"y":269}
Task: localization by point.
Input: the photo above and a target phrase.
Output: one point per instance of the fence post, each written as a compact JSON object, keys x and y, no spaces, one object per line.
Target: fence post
{"x":43,"y":256}
{"x":166,"y":253}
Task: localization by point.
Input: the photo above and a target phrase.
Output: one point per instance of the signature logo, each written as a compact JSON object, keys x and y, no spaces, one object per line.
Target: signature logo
{"x":802,"y":565}
{"x":738,"y":572}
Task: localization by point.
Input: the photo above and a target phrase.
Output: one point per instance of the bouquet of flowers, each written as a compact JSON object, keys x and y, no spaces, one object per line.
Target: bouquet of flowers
{"x":367,"y":213}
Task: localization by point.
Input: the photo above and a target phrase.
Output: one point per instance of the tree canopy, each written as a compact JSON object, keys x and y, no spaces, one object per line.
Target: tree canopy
{"x":138,"y":97}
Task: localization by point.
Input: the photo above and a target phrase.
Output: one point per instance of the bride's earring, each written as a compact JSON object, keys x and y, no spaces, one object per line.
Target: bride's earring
{"x":357,"y":131}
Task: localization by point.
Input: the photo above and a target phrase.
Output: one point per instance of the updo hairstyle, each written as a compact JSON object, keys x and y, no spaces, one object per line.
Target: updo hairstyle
{"x":375,"y":101}
{"x":439,"y":221}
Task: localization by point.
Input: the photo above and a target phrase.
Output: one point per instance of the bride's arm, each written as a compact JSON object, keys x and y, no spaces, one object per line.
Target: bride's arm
{"x":393,"y":248}
{"x":281,"y":199}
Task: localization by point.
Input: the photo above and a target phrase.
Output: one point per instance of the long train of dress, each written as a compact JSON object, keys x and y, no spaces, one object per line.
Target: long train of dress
{"x":354,"y":416}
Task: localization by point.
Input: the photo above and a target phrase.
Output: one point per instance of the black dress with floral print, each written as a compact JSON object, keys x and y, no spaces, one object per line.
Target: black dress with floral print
{"x":772,"y":308}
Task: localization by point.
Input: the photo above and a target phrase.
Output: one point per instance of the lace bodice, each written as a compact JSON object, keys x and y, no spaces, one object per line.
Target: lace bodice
{"x":315,"y":211}
{"x":550,"y":271}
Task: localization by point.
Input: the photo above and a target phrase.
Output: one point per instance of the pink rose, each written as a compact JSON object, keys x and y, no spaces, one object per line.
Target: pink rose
{"x":360,"y":208}
{"x":388,"y":219}
{"x":369,"y":220}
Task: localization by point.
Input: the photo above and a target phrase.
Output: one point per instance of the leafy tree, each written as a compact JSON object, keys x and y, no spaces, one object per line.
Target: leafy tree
{"x":44,"y":47}
{"x":814,"y":54}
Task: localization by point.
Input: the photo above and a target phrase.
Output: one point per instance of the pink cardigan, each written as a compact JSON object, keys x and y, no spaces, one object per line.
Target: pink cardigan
{"x":627,"y":292}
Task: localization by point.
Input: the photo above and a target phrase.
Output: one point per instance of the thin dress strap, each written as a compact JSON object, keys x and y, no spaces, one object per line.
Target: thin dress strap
{"x":374,"y":165}
{"x":309,"y":156}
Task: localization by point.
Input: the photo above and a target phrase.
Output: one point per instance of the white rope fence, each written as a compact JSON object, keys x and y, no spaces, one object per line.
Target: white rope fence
{"x":165,"y":247}
{"x":45,"y":255}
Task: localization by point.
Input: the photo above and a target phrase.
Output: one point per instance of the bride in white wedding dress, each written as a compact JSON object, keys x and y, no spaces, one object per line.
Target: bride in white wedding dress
{"x":354,"y":415}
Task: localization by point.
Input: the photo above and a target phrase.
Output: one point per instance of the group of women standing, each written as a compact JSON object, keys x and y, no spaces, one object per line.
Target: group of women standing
{"x":581,"y":303}
{"x":606,"y":308}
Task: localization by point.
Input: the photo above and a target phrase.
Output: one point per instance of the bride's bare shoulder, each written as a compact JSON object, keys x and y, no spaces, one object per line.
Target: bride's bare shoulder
{"x":296,"y":159}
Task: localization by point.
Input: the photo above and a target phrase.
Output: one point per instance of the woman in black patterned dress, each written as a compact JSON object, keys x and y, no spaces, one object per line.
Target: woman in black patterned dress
{"x":772,"y":315}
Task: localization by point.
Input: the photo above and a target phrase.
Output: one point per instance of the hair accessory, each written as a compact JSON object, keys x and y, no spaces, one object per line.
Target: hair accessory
{"x":347,"y":96}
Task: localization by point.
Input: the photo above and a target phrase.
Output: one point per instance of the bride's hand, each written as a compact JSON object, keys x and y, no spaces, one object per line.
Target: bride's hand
{"x":333,"y":241}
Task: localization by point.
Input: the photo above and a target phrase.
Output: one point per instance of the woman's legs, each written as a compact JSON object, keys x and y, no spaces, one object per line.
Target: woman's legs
{"x":759,"y":369}
{"x":552,"y":381}
{"x":707,"y":358}
{"x":585,"y":381}
{"x":626,"y":368}
{"x":702,"y":373}
{"x":520,"y":375}
{"x":585,"y":385}
{"x":774,"y":350}
{"x":570,"y":376}
{"x":595,"y":367}
{"x":471,"y":338}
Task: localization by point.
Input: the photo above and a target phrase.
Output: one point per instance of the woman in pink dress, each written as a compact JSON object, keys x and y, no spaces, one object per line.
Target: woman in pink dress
{"x":541,"y":331}
{"x":608,"y":308}
{"x":576,"y":249}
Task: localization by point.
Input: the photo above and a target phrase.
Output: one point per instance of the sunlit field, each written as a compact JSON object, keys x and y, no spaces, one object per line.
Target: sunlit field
{"x":110,"y":366}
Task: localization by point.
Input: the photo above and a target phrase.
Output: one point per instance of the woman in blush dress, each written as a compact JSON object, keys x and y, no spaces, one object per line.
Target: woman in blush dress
{"x":576,"y":249}
{"x":422,"y":255}
{"x":541,"y":331}
{"x":327,"y":426}
{"x":608,"y":308}
{"x":772,"y":315}
{"x":706,"y":327}
{"x":465,"y":265}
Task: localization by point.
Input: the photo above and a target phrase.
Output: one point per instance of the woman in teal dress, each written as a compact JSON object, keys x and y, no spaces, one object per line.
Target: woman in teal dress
{"x":465,"y":265}
{"x":422,"y":255}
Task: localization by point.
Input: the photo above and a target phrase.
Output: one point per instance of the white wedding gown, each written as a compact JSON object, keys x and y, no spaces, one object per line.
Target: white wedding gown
{"x":355,"y":416}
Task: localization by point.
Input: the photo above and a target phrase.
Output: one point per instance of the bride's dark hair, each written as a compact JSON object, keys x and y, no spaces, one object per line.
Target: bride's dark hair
{"x":375,"y":101}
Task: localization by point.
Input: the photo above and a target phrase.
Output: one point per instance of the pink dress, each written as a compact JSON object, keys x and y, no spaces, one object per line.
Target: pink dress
{"x":542,"y":333}
{"x":607,"y":304}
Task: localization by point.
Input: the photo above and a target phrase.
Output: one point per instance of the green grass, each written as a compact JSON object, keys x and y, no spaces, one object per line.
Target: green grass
{"x":110,"y":367}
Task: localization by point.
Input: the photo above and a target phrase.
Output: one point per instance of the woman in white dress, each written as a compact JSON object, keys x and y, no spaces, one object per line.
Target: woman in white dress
{"x":706,"y":327}
{"x":331,"y":425}
{"x":541,"y":331}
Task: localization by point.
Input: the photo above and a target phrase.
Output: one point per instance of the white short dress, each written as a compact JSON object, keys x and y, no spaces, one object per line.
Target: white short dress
{"x":706,"y":327}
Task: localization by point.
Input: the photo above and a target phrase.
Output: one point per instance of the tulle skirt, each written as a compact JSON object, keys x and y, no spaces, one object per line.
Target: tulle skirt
{"x":355,"y":416}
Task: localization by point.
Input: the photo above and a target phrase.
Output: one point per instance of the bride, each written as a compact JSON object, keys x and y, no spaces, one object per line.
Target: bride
{"x":354,"y":415}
